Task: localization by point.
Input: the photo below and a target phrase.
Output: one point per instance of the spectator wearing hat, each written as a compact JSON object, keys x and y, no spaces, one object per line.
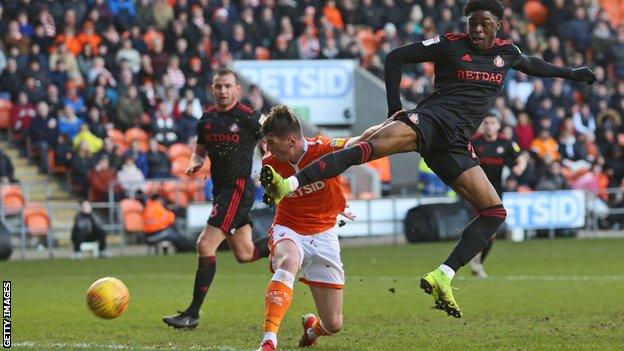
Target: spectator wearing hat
{"x":160,"y":225}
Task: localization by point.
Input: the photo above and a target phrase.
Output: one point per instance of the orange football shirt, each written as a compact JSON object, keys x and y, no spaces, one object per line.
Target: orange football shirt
{"x":312,"y":208}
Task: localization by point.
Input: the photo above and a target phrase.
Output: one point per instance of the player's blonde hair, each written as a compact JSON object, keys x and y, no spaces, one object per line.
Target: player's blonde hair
{"x":280,"y":122}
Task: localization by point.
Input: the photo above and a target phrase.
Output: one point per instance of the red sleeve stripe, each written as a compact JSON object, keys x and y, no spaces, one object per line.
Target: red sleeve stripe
{"x":366,"y":151}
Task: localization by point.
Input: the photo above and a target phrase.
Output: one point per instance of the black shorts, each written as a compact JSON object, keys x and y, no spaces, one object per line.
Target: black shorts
{"x":446,"y":154}
{"x":231,"y":206}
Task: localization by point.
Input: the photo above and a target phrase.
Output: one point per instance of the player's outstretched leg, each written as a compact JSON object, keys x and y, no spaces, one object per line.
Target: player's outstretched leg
{"x":394,"y":137}
{"x":473,"y":186}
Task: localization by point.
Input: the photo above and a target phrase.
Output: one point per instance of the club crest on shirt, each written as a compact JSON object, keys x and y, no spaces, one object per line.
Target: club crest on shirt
{"x":413,"y":117}
{"x":499,"y":62}
{"x":500,"y":150}
{"x":338,"y":143}
{"x":234,"y":128}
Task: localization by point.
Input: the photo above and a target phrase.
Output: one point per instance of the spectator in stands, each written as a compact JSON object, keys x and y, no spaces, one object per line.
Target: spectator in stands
{"x":10,"y":79}
{"x":163,"y":126}
{"x":552,"y":179}
{"x":189,"y":99}
{"x":129,"y":110}
{"x":6,"y":167}
{"x":160,"y":225}
{"x":139,"y":157}
{"x":74,"y":98}
{"x":158,"y":164}
{"x":21,"y":115}
{"x":81,"y":163}
{"x":584,"y":121}
{"x":63,"y":153}
{"x":130,"y":178}
{"x":100,"y":179}
{"x":111,"y":152}
{"x":569,"y":147}
{"x":88,"y":227}
{"x":524,"y":131}
{"x":69,"y":123}
{"x":93,"y":143}
{"x":54,"y":100}
{"x":186,"y":125}
{"x":43,"y":134}
{"x":546,"y":147}
{"x":95,"y":124}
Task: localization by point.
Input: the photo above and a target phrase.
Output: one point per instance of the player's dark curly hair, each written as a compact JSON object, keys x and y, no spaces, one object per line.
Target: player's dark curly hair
{"x":281,"y":122}
{"x":494,"y":6}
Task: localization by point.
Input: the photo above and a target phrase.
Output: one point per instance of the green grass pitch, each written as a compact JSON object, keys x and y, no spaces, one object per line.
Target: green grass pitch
{"x":542,"y":295}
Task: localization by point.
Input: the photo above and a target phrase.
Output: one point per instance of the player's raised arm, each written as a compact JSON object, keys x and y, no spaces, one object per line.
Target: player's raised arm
{"x":536,"y":66}
{"x":428,"y":50}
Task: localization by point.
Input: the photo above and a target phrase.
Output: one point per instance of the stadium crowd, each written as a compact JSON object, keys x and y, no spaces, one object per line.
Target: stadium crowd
{"x":77,"y":70}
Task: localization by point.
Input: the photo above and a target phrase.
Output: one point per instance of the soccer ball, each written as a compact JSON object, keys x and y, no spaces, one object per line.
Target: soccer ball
{"x":108,"y":297}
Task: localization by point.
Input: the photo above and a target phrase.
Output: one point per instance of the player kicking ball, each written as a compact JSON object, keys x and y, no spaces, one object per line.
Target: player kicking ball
{"x":302,"y":239}
{"x":470,"y":69}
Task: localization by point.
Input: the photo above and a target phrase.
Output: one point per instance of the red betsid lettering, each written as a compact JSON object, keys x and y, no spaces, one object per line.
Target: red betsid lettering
{"x":489,"y":77}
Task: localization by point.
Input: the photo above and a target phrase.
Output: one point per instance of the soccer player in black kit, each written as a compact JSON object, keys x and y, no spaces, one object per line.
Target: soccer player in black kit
{"x":227,"y":133}
{"x":494,"y":152}
{"x":470,"y":69}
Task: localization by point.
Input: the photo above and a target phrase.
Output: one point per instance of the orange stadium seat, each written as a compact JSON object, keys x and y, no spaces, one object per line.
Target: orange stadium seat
{"x":5,"y":113}
{"x":179,"y":150}
{"x":132,"y":215}
{"x":53,"y":168}
{"x":37,"y":220}
{"x":137,"y":134}
{"x":12,"y":199}
{"x":117,"y":136}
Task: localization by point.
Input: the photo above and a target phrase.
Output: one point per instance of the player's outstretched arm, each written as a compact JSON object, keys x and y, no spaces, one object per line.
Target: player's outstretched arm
{"x":536,"y":66}
{"x":427,"y":50}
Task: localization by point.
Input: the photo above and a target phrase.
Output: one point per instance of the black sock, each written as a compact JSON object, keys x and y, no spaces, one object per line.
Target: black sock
{"x":206,"y":267}
{"x":335,"y":163}
{"x":475,"y":236}
{"x":487,"y":249}
{"x":261,"y":249}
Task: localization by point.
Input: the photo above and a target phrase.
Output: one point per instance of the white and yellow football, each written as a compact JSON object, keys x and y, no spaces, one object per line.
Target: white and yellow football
{"x":108,"y":297}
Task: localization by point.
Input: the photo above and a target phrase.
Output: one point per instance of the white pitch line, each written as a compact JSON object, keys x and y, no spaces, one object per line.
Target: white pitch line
{"x":110,"y":346}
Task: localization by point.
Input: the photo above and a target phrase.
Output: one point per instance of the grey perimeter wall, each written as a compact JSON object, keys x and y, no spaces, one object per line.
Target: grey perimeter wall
{"x":370,"y":109}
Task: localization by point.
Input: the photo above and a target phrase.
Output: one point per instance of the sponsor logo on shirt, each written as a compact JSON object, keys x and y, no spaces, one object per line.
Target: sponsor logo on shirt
{"x":338,"y":143}
{"x":480,"y":76}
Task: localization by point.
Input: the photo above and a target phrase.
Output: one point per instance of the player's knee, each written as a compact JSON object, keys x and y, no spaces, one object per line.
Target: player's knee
{"x":333,"y":324}
{"x":287,"y":263}
{"x":243,"y":257}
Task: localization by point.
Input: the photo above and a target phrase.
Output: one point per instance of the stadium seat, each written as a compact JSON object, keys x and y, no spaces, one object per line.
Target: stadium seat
{"x":5,"y":113}
{"x":37,"y":220}
{"x":137,"y":134}
{"x":117,"y":136}
{"x":12,"y":199}
{"x":132,"y":215}
{"x":175,"y":192}
{"x":179,"y":150}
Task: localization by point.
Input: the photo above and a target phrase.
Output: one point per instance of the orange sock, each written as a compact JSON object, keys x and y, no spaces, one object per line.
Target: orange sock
{"x":277,"y":301}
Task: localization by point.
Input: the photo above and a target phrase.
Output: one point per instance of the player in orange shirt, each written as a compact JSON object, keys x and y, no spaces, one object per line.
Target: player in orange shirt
{"x":302,"y":238}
